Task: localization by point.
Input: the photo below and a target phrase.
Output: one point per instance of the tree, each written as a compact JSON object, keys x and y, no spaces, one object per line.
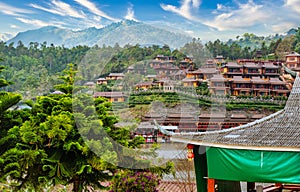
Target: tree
{"x":68,"y":139}
{"x":7,"y":100}
{"x":50,"y":150}
{"x":285,"y":47}
{"x":8,"y":118}
{"x":197,"y":51}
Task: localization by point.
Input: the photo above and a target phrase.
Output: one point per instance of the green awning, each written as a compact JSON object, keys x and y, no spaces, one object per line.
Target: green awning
{"x":253,"y":165}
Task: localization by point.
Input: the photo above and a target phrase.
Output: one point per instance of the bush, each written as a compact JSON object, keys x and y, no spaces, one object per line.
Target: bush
{"x":130,"y":181}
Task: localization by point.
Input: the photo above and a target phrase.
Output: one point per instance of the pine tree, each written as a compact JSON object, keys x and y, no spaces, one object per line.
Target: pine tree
{"x":68,"y":139}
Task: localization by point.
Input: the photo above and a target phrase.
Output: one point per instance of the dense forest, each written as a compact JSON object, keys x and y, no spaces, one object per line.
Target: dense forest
{"x":35,"y":68}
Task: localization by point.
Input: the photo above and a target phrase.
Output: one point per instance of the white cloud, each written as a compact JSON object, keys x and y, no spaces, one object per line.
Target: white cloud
{"x":34,"y":22}
{"x":185,"y":10}
{"x":97,"y":18}
{"x":39,"y":23}
{"x":293,"y":4}
{"x":92,"y":7}
{"x":284,"y":26}
{"x":130,"y":13}
{"x":190,"y":32}
{"x":196,"y":3}
{"x":221,"y":7}
{"x":60,"y":8}
{"x":13,"y":11}
{"x":246,"y":15}
{"x":14,"y":26}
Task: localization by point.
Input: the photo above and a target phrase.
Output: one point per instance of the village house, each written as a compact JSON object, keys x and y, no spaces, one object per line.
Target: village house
{"x":202,"y":73}
{"x":179,"y":75}
{"x":161,"y":60}
{"x":251,"y":69}
{"x":293,"y":61}
{"x":270,"y":70}
{"x":260,"y":86}
{"x":240,"y":86}
{"x":278,"y":87}
{"x":218,"y":85}
{"x":90,"y":85}
{"x":101,"y":81}
{"x":115,"y":76}
{"x":144,"y":86}
{"x":186,"y":63}
{"x":148,"y":131}
{"x":111,"y":96}
{"x":167,"y":85}
{"x":219,"y":60}
{"x":232,"y":69}
{"x":210,"y":64}
{"x":190,"y":82}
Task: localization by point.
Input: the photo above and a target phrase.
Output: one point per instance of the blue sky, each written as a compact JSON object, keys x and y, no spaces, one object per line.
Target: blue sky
{"x":206,"y":19}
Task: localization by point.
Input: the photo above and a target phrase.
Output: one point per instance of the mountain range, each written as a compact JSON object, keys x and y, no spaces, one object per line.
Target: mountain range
{"x":5,"y":36}
{"x":123,"y":32}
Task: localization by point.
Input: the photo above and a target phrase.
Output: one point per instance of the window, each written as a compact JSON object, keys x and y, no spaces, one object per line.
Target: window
{"x":291,"y":59}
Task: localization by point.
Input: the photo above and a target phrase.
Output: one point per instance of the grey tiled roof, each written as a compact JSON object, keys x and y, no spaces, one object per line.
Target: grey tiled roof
{"x":277,"y":132}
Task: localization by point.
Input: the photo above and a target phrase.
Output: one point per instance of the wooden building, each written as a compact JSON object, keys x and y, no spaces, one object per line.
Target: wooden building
{"x":148,"y":131}
{"x":270,"y":70}
{"x":115,"y":76}
{"x":111,"y":96}
{"x":260,"y":87}
{"x":144,"y":86}
{"x":252,"y":70}
{"x":101,"y":81}
{"x":232,"y":69}
{"x":293,"y":61}
{"x":202,"y":73}
{"x":218,"y":85}
{"x":190,"y":82}
{"x":278,"y":87}
{"x":186,"y":63}
{"x":240,"y":86}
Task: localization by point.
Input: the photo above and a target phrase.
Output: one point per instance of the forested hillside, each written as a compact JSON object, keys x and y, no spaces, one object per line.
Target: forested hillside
{"x":247,"y":45}
{"x":34,"y":69}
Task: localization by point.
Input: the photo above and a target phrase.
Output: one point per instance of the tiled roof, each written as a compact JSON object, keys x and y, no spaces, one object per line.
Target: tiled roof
{"x":276,"y":81}
{"x":116,"y":75}
{"x":259,"y":80}
{"x":293,"y":54}
{"x":238,"y":79}
{"x":108,"y":94}
{"x":89,"y":83}
{"x":252,"y":65}
{"x":176,"y":186}
{"x":277,"y":132}
{"x":233,"y":64}
{"x":270,"y":66}
{"x":191,"y":79}
{"x":218,"y":77}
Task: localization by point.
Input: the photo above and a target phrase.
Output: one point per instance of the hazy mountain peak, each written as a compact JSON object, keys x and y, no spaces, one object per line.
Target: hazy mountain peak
{"x":5,"y":36}
{"x":123,"y":32}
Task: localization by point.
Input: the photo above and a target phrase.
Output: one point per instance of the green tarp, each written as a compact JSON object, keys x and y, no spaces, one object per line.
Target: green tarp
{"x":253,"y":166}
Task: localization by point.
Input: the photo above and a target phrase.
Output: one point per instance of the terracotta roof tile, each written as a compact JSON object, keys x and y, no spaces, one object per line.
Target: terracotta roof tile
{"x":176,"y":186}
